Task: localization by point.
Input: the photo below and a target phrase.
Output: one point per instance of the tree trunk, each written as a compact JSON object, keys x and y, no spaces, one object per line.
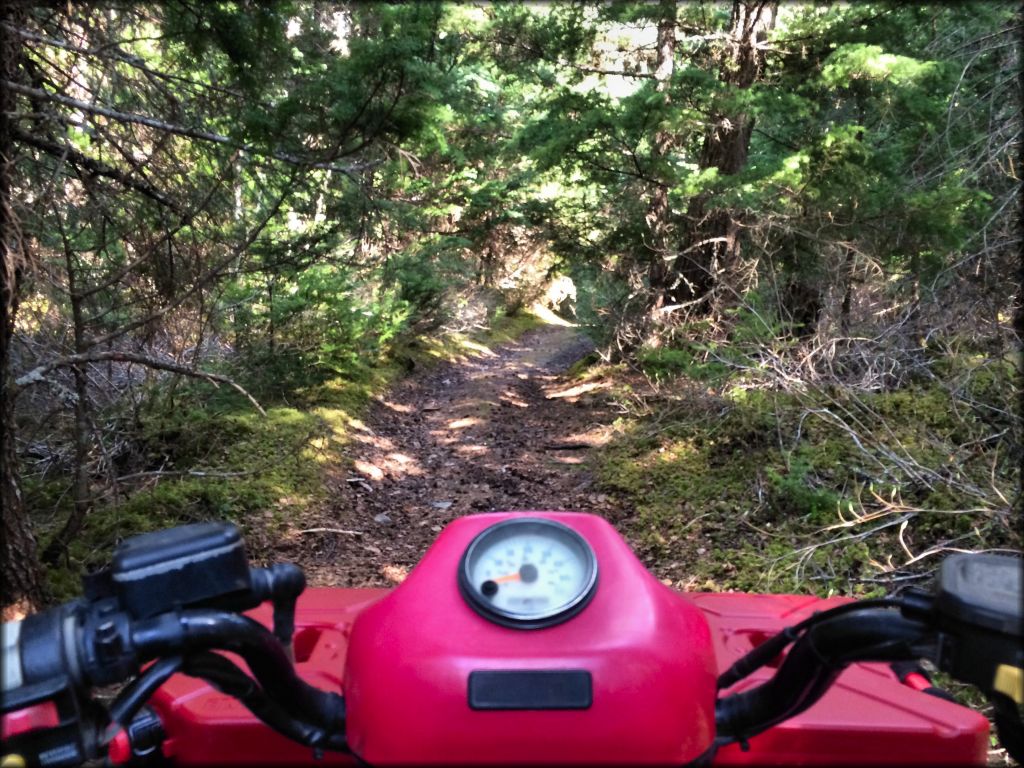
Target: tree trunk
{"x":22,"y":574}
{"x":659,"y":212}
{"x":82,"y":501}
{"x":713,"y":242}
{"x":844,"y":310}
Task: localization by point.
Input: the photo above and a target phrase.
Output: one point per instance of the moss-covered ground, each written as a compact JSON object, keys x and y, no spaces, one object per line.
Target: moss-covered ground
{"x":734,"y":484}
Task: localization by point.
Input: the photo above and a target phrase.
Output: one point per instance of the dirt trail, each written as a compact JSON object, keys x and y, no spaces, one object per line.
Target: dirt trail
{"x":502,"y":431}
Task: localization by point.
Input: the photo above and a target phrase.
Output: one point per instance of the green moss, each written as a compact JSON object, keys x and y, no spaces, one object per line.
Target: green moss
{"x":759,"y":490}
{"x":585,"y":368}
{"x":792,"y":494}
{"x":49,"y":499}
{"x":63,"y":584}
{"x":665,"y":363}
{"x":509,"y":327}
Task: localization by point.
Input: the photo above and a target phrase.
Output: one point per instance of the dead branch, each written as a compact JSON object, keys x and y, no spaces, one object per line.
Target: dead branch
{"x":36,"y":375}
{"x":93,"y":166}
{"x":343,"y":531}
{"x":210,"y":275}
{"x":113,"y":53}
{"x":177,"y":473}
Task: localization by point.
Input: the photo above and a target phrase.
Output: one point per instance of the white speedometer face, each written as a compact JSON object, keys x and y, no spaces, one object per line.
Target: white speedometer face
{"x":528,"y":572}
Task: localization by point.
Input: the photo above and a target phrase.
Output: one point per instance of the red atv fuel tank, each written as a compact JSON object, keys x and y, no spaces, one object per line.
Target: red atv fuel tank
{"x":646,"y":650}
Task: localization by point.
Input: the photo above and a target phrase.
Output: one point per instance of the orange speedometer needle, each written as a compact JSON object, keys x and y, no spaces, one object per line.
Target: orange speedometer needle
{"x":527,"y":573}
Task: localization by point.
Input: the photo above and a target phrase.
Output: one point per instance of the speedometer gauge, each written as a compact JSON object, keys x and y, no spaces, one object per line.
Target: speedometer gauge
{"x":528,"y":573}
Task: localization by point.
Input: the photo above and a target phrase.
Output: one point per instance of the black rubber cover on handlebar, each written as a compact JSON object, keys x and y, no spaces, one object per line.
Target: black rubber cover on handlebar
{"x":43,"y":654}
{"x":229,"y":679}
{"x":812,"y":665}
{"x":773,"y":646}
{"x":182,"y":632}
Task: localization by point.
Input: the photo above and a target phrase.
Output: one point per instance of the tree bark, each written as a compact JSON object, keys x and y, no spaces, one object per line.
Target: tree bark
{"x":659,"y":212}
{"x":81,"y":500}
{"x":22,"y":574}
{"x":713,"y":241}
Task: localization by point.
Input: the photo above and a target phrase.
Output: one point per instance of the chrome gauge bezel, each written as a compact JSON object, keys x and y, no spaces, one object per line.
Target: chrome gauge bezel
{"x":533,"y":619}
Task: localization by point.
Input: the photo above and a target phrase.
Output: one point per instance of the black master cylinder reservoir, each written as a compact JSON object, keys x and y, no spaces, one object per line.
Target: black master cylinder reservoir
{"x":979,"y":605}
{"x":203,"y":564}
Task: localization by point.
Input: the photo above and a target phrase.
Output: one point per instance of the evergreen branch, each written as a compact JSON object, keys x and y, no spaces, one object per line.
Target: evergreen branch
{"x":65,"y":152}
{"x":216,"y":270}
{"x":116,"y":55}
{"x":186,"y":218}
{"x":180,"y":130}
{"x":616,"y":72}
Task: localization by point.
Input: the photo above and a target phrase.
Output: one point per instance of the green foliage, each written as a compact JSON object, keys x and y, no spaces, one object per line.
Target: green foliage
{"x":664,"y":363}
{"x":859,"y":61}
{"x":754,"y":330}
{"x":419,"y":283}
{"x":250,"y":36}
{"x":792,"y":494}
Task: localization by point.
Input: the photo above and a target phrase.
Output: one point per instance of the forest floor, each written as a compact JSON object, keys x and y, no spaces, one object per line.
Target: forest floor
{"x":504,"y":430}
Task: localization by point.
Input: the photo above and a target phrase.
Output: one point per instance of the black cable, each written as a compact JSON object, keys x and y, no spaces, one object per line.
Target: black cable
{"x":133,"y":698}
{"x":195,"y":630}
{"x":228,"y":678}
{"x":774,"y":645}
{"x":812,"y":665}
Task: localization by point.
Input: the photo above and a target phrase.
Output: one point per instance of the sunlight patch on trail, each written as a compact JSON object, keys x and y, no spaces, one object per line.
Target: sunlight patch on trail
{"x":480,"y":349}
{"x":396,"y":407}
{"x":513,"y":399}
{"x":368,"y":469}
{"x":464,"y":423}
{"x":550,"y":317}
{"x":576,"y":391}
{"x":395,"y":574}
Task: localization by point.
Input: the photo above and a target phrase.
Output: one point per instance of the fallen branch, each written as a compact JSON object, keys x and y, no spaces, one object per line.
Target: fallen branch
{"x":810,"y":548}
{"x":36,"y":375}
{"x":177,"y":473}
{"x":344,"y":531}
{"x":64,"y":151}
{"x":891,"y":580}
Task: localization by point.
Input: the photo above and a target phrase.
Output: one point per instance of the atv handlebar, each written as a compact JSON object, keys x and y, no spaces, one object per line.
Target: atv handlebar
{"x":813,"y":664}
{"x":970,"y":628}
{"x":53,"y":660}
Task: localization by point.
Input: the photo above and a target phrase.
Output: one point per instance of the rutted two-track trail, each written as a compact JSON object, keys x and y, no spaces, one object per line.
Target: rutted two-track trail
{"x":503,"y":430}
